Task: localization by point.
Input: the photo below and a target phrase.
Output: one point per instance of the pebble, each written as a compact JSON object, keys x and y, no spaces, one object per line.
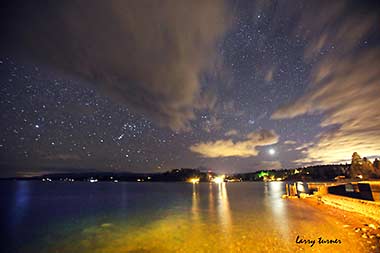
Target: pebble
{"x":372,"y":226}
{"x":364,"y":236}
{"x":357,"y":230}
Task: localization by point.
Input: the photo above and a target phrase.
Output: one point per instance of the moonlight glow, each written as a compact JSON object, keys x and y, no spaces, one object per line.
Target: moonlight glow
{"x":272,"y":151}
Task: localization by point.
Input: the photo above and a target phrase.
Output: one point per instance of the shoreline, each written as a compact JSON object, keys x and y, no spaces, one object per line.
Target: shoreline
{"x":357,"y":220}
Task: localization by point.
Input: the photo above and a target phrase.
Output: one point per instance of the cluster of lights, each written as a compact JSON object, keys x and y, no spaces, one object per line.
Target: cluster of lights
{"x":219,"y":179}
{"x":194,"y":180}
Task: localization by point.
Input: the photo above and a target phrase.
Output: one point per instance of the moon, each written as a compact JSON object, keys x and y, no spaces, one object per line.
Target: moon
{"x":271,"y":151}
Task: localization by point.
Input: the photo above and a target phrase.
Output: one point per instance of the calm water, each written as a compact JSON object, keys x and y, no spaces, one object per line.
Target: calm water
{"x":161,"y":217}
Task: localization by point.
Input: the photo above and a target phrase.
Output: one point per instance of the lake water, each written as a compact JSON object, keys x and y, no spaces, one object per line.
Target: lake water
{"x":162,"y":217}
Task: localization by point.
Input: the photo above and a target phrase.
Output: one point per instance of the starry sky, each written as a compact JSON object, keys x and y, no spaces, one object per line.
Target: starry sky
{"x":148,"y":86}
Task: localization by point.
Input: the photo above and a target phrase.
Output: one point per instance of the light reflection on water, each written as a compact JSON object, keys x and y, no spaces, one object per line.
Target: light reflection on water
{"x":211,"y":199}
{"x":278,"y":208}
{"x":150,"y":217}
{"x":218,"y":202}
{"x":195,"y":204}
{"x":224,"y":212}
{"x":20,"y":202}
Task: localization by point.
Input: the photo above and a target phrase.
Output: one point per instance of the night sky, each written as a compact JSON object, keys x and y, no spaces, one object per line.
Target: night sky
{"x":232,"y":86}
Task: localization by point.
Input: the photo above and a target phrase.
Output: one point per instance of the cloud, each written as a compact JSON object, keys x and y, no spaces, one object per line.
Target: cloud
{"x":231,"y":132}
{"x":344,"y":89}
{"x":290,"y":142}
{"x":349,"y":97}
{"x":65,"y":157}
{"x":304,"y":146}
{"x":30,"y":173}
{"x":269,"y":75}
{"x":146,"y":54}
{"x":229,"y":148}
{"x":270,"y":165}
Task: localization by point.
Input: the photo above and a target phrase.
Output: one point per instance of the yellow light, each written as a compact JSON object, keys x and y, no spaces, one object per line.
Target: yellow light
{"x":193,"y":180}
{"x":219,"y":179}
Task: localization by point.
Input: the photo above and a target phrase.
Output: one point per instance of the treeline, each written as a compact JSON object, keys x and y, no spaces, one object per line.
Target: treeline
{"x":169,"y":176}
{"x":360,"y":168}
{"x":311,"y":173}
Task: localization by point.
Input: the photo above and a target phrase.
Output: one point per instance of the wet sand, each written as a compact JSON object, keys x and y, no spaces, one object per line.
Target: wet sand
{"x":368,"y":229}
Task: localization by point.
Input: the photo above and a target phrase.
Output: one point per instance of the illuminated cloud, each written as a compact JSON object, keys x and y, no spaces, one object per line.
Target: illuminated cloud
{"x":345,"y":90}
{"x":269,"y":75}
{"x":290,"y":142}
{"x":304,"y":146}
{"x":229,"y":148}
{"x":231,"y":132}
{"x":146,"y":54}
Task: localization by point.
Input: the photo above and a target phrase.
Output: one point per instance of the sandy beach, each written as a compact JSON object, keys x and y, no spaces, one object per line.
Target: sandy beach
{"x":368,"y":229}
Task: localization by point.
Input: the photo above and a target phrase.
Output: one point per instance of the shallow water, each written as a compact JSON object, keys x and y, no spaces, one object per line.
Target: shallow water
{"x":163,"y":217}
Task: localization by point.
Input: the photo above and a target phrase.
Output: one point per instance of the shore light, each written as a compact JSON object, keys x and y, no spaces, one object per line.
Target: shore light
{"x":219,"y":179}
{"x":193,"y":180}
